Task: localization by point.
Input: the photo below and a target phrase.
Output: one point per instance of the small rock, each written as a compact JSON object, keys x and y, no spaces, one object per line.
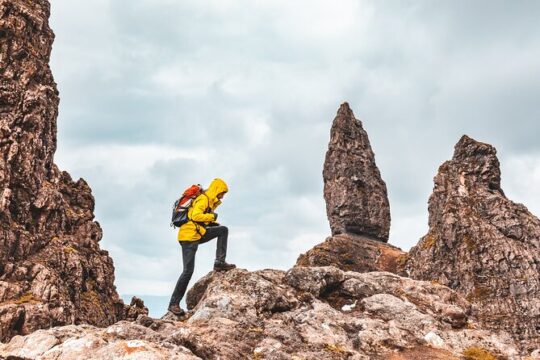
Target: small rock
{"x":434,"y":339}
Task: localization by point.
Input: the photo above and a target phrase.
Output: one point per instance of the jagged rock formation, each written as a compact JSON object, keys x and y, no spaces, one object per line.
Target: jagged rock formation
{"x":305,"y":313}
{"x":482,"y":244}
{"x":52,"y":271}
{"x":355,"y":253}
{"x":356,"y":196}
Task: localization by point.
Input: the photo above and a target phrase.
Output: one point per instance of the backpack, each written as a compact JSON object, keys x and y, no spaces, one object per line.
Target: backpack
{"x":181,"y":206}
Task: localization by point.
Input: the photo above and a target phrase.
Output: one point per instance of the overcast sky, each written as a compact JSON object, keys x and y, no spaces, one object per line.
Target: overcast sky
{"x":159,"y":94}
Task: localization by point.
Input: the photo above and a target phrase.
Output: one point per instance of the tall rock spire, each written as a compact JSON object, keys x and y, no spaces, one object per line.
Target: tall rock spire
{"x":356,"y":204}
{"x":355,"y":194}
{"x":482,"y":244}
{"x":52,"y":270}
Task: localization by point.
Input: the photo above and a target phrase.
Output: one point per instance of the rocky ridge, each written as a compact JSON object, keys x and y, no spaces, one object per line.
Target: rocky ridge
{"x":482,"y":244}
{"x":304,"y":313}
{"x":52,"y":271}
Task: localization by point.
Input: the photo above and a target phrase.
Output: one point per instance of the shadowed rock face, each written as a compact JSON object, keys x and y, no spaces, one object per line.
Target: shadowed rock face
{"x":482,"y":244}
{"x":356,"y":196}
{"x":304,"y":313}
{"x":52,"y":270}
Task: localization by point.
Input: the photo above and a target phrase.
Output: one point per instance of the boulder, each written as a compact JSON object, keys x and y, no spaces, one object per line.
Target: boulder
{"x":355,"y":253}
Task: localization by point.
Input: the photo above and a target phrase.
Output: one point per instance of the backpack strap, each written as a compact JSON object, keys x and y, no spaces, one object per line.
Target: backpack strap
{"x":198,"y":224}
{"x":208,"y":202}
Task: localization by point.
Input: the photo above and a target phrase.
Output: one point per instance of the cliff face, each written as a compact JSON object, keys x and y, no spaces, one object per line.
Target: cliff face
{"x":482,"y":244}
{"x":355,"y":194}
{"x":52,"y":270}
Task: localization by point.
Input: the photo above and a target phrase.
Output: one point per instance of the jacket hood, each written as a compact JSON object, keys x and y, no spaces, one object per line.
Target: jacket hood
{"x":217,"y":186}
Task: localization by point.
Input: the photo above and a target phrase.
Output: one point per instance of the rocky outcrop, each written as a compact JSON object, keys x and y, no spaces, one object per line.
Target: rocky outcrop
{"x":356,"y":204}
{"x":52,"y":270}
{"x":54,"y":275}
{"x":305,"y":313}
{"x":355,"y":194}
{"x":355,"y":253}
{"x":482,"y":244}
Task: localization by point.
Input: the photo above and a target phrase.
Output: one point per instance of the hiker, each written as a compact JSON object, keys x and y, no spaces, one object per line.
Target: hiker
{"x":201,"y":227}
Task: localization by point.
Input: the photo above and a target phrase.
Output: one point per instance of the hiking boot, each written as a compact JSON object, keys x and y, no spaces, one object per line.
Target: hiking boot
{"x":223,"y":266}
{"x":176,"y":310}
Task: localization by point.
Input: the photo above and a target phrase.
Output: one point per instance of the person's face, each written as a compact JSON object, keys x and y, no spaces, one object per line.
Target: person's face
{"x":220,"y":195}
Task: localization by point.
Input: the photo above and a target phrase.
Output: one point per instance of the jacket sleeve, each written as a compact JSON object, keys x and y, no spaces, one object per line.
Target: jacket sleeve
{"x":198,"y":215}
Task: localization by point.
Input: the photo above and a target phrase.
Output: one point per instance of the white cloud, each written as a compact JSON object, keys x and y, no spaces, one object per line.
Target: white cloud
{"x":185,"y":79}
{"x":303,"y":242}
{"x":257,"y":128}
{"x":408,"y":228}
{"x":141,"y":274}
{"x":520,"y":179}
{"x":125,"y":164}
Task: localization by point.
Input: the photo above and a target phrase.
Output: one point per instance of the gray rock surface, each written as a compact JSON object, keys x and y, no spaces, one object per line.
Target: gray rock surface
{"x":52,"y":270}
{"x":355,"y":194}
{"x":482,"y":244}
{"x":305,"y":313}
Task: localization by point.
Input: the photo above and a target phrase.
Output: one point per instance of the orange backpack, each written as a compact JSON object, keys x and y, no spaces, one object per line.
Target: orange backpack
{"x":181,"y":206}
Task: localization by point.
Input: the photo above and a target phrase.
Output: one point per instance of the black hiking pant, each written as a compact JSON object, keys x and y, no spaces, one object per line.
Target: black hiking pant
{"x":189,"y":249}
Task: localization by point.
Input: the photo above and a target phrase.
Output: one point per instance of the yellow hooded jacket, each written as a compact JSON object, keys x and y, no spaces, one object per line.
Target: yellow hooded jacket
{"x":201,"y":212}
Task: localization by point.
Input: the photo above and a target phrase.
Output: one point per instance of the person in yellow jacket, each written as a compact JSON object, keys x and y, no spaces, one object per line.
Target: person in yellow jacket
{"x":201,"y":227}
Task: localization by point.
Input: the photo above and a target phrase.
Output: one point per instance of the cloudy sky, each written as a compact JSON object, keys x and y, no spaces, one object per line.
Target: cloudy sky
{"x":159,"y":94}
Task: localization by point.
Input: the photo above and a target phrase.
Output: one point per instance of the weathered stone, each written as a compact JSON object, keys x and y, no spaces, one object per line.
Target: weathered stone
{"x":52,"y":270}
{"x":135,"y":309}
{"x":482,"y":244}
{"x":355,"y":253}
{"x":355,"y":194}
{"x":305,"y":313}
{"x":124,"y":340}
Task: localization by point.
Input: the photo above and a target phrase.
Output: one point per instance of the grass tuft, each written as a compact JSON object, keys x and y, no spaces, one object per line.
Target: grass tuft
{"x":335,"y":348}
{"x":429,"y":241}
{"x":25,"y":298}
{"x":476,"y":353}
